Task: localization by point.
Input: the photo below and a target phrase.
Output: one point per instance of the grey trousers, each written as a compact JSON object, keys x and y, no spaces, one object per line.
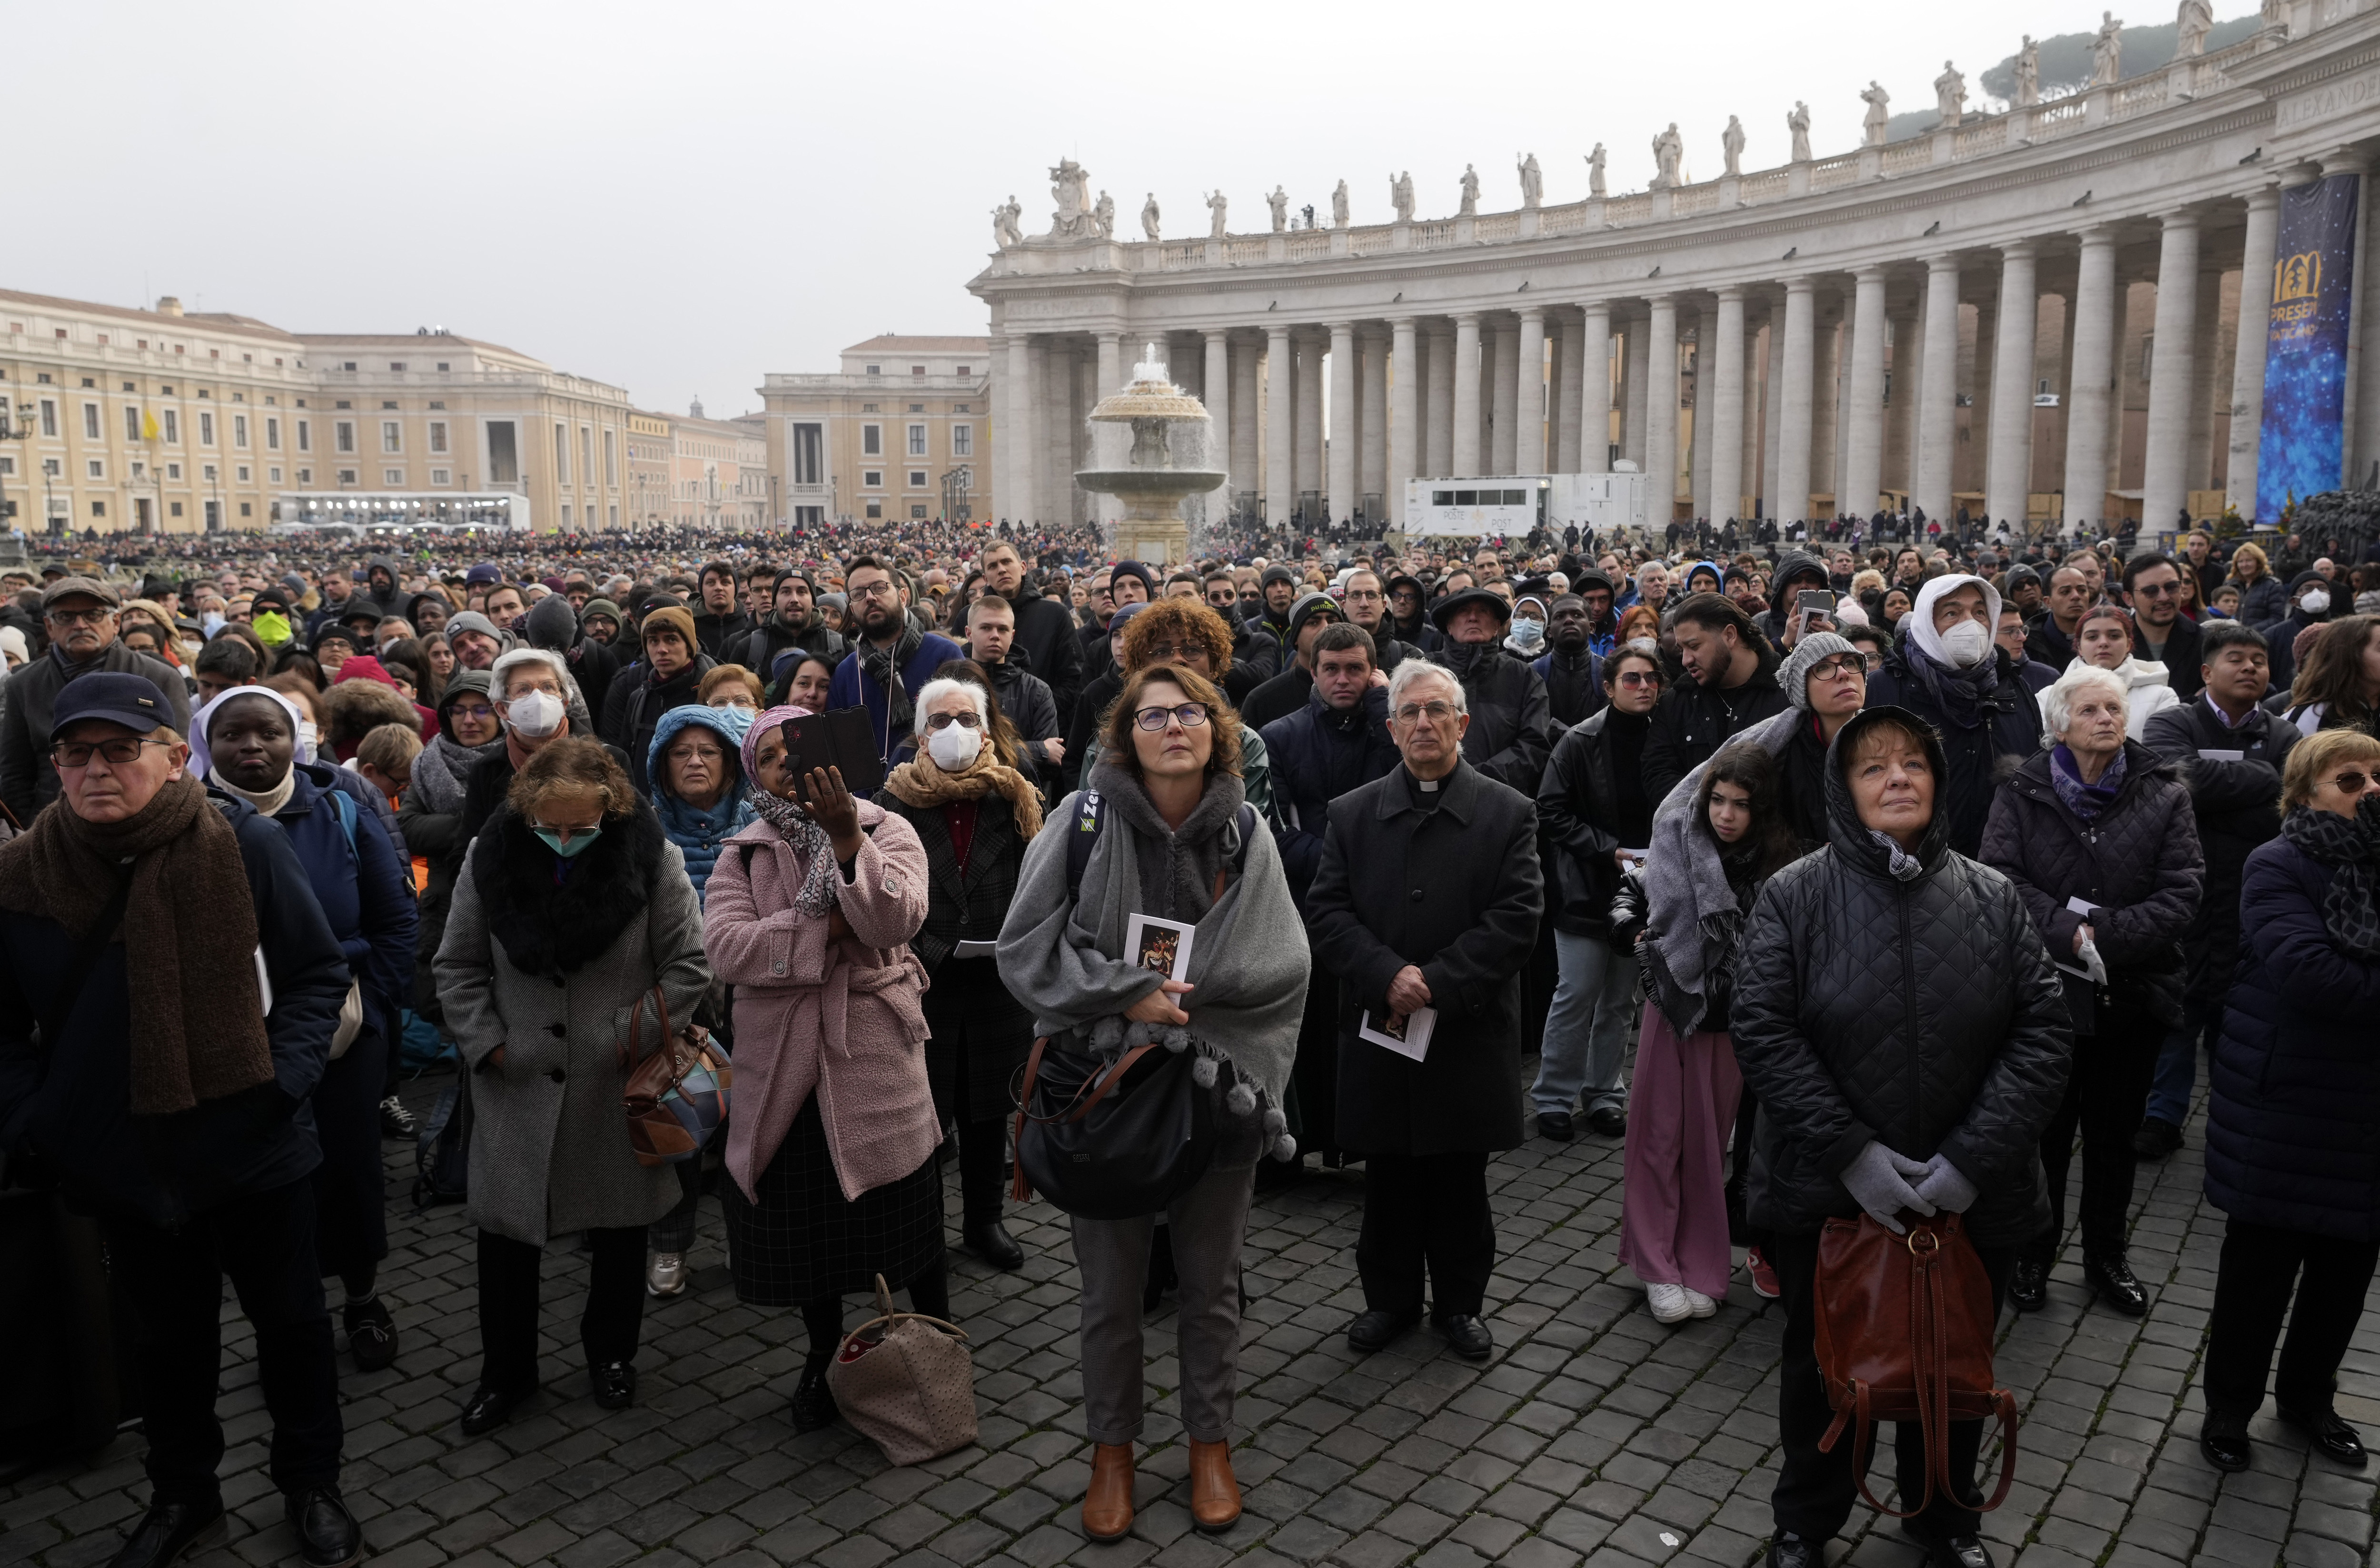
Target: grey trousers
{"x":1208,"y":1223}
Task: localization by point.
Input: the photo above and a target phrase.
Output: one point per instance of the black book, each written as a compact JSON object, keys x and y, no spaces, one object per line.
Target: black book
{"x":841,"y":737}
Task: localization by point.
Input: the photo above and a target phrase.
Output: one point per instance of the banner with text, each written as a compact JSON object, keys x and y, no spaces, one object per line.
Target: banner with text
{"x":2299,"y":446}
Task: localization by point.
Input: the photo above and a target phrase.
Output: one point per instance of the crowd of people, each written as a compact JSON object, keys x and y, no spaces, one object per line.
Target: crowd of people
{"x":1829,"y":884}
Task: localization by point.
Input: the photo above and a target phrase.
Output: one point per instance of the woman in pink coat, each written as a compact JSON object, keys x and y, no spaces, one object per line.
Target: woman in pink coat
{"x":808,"y":914}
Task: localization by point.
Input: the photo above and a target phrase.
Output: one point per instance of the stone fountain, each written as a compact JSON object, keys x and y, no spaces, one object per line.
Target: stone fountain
{"x":1151,"y":448}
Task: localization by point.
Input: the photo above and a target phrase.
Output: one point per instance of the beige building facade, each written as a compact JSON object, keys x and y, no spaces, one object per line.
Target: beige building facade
{"x":166,"y":422}
{"x":901,"y":432}
{"x":650,"y":465}
{"x":719,"y":473}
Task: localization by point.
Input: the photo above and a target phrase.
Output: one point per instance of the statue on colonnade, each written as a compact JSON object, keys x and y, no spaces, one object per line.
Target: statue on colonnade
{"x":1533,"y":181}
{"x":1339,"y":206}
{"x":1730,"y":143}
{"x":2028,"y":73}
{"x":1400,"y":196}
{"x":2191,"y":24}
{"x":1004,"y":220}
{"x":1951,"y":94}
{"x":1103,"y":217}
{"x":1879,"y":111}
{"x":1669,"y":157}
{"x":1470,"y":208}
{"x":1595,"y":172}
{"x":1798,"y":122}
{"x":1218,"y":207}
{"x":1279,"y":202}
{"x":1148,"y":217}
{"x":1071,"y":189}
{"x":2107,"y":52}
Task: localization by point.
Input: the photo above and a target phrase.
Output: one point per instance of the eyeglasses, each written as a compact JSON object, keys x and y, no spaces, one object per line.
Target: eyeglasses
{"x":472,"y":711}
{"x":1176,"y":652}
{"x":2349,"y":783}
{"x":1839,"y":666}
{"x":872,"y":591}
{"x":2157,"y":590}
{"x":965,"y":721}
{"x":1191,"y":715}
{"x":79,"y":617}
{"x":122,"y":752}
{"x":1639,"y":678}
{"x":1414,"y":713}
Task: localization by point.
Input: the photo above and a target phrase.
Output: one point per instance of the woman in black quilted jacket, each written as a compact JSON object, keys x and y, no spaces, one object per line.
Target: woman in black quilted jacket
{"x":1899,"y":1020}
{"x":2098,"y":835}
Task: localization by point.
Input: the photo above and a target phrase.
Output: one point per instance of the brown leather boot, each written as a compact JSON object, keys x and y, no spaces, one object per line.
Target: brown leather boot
{"x":1214,"y":1492}
{"x":1107,"y":1503}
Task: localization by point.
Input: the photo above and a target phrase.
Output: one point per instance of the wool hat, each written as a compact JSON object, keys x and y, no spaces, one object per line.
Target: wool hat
{"x":553,"y":624}
{"x":676,"y":618}
{"x":1443,"y":611}
{"x":1811,"y":648}
{"x":1276,"y":573}
{"x":485,"y":572}
{"x":1307,"y":606}
{"x":1134,"y":569}
{"x":601,"y":607}
{"x":472,"y":621}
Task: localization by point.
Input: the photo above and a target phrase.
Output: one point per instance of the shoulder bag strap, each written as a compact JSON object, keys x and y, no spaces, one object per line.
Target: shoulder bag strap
{"x":85,"y":955}
{"x":1021,"y":1189}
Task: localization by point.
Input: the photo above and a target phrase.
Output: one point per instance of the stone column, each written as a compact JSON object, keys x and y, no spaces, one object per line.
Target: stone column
{"x":1248,"y":472}
{"x":1938,"y":395}
{"x":1749,"y":423}
{"x":1835,"y":402}
{"x":1907,"y":373}
{"x":1308,"y":348}
{"x":2009,"y":470}
{"x":1404,"y":422}
{"x":2200,"y":473}
{"x":1826,"y":404}
{"x":1280,"y":428}
{"x":1694,"y":422}
{"x":1504,"y":422}
{"x":1442,"y":350}
{"x":1568,"y":386}
{"x":1793,"y":423}
{"x":1110,"y":382}
{"x":2128,"y":367}
{"x":2165,"y":477}
{"x":1052,"y":400}
{"x":1014,"y":490}
{"x":1863,"y":450}
{"x":1529,"y":394}
{"x":2091,"y":384}
{"x":2356,"y":446}
{"x":1217,"y":395}
{"x":1636,"y":374}
{"x":1346,"y":419}
{"x":1594,"y":390}
{"x":2247,"y":361}
{"x":1465,"y":370}
{"x":1772,"y":408}
{"x":1979,"y":390}
{"x":1661,"y":404}
{"x":1372,"y":419}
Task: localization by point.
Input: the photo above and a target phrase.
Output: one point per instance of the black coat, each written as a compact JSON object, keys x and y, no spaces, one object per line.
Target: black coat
{"x":2232,"y":803}
{"x":71,"y":1105}
{"x":723,"y":637}
{"x":1026,"y":701}
{"x":1082,"y":729}
{"x":1319,"y":754}
{"x":1925,"y":1013}
{"x":1278,"y":698}
{"x":772,"y":639}
{"x":2295,"y":1082}
{"x":1510,"y":734}
{"x":2138,"y":860}
{"x":2182,"y":660}
{"x":1578,"y":806}
{"x":968,"y":1010}
{"x":1046,"y":630}
{"x":2045,"y":644}
{"x":1978,"y":758}
{"x":1690,"y":723}
{"x":1455,"y":892}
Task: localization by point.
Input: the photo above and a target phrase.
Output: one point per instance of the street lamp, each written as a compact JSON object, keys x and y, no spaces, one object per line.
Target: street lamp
{"x":19,"y":429}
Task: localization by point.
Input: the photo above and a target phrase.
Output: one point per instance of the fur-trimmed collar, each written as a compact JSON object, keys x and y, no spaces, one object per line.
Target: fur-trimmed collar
{"x":554,"y":926}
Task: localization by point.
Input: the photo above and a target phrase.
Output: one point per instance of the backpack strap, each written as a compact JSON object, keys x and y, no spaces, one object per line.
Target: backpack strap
{"x":346,"y":807}
{"x":1090,"y":821}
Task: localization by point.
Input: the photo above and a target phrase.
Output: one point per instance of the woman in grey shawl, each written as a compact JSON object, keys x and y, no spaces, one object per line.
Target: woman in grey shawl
{"x":1168,"y":795}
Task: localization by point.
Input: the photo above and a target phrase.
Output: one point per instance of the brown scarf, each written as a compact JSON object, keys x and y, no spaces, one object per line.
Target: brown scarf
{"x":921,"y":783}
{"x":198,"y":1017}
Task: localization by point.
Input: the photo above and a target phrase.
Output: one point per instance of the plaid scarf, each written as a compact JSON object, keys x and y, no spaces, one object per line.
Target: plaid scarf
{"x":2351,"y":849}
{"x":794,"y":825}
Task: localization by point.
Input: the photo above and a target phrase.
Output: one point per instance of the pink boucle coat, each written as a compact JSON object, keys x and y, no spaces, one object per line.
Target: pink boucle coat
{"x":839,"y":1019}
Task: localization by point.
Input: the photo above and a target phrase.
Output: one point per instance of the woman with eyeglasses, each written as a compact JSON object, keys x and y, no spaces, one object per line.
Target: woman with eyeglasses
{"x":2296,"y":1093}
{"x":974,"y":810}
{"x":830,"y":1148}
{"x":571,"y":907}
{"x":2099,"y":837}
{"x":1174,"y":841}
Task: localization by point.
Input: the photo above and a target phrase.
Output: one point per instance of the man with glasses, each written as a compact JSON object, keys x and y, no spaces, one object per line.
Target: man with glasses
{"x":890,"y":657}
{"x":1368,"y":606}
{"x":1427,"y":897}
{"x":2161,"y":633}
{"x":80,"y":615}
{"x":167,"y":1099}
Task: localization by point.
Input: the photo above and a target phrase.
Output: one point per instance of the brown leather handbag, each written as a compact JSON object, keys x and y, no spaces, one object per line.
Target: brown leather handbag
{"x":1904,"y":1333}
{"x":678,"y":1096}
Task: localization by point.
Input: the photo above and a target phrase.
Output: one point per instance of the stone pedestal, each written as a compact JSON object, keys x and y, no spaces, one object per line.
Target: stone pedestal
{"x":1163,"y":541}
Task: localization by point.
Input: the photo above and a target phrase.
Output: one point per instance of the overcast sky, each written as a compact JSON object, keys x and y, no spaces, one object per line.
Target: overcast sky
{"x":681,"y":198}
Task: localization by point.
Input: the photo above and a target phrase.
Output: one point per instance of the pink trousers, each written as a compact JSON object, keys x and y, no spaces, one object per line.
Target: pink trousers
{"x":1682,"y":1102}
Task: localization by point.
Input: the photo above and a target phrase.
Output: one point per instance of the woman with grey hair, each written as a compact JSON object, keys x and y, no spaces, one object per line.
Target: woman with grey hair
{"x":2098,"y":835}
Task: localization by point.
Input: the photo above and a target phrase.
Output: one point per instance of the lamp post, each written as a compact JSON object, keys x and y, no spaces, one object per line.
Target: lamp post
{"x":18,"y":427}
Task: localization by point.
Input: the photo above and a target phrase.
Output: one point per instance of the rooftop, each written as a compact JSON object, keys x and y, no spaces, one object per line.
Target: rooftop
{"x":888,"y":343}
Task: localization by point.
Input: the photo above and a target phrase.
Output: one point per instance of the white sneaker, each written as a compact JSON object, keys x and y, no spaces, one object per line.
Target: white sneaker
{"x":1670,"y":1304}
{"x":1698,"y":1304}
{"x":665,"y":1275}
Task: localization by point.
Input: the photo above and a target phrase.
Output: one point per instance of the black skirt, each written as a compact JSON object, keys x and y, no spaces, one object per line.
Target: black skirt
{"x":803,"y":1240}
{"x":979,"y":1037}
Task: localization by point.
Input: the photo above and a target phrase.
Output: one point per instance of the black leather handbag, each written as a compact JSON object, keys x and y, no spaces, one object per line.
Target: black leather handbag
{"x":1111,"y":1140}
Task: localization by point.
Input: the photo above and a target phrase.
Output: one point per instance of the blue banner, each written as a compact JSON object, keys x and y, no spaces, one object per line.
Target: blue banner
{"x":2299,"y":446}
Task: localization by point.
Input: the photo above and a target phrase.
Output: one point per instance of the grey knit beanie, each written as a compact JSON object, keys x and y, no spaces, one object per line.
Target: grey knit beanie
{"x":1794,"y":674}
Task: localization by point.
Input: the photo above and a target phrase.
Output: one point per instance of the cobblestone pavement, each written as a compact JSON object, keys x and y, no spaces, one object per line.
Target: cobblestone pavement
{"x":1594,"y":1433}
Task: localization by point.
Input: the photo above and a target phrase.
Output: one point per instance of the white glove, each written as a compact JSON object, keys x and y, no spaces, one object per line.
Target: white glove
{"x":1879,"y":1182}
{"x":1946,"y":1186}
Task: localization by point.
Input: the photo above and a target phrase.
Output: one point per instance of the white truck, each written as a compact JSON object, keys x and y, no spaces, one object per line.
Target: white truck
{"x":1510,"y":506}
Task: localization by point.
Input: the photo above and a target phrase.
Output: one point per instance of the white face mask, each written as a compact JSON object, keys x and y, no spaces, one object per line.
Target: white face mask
{"x":954,"y":747}
{"x":1966,"y":644}
{"x":535,"y":713}
{"x":2314,"y":601}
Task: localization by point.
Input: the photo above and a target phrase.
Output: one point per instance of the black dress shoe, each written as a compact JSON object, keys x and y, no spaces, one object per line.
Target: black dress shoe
{"x":1465,"y":1336}
{"x":1377,"y":1330}
{"x":615,"y":1384}
{"x":490,"y":1407}
{"x":168,"y":1532}
{"x":2029,"y":1285}
{"x":1556,"y":1125}
{"x":2112,"y":1281}
{"x":813,"y":1405}
{"x":2156,"y":1138}
{"x":1947,"y":1552}
{"x":371,"y":1334}
{"x":2331,"y":1437}
{"x":1608,"y":1121}
{"x":328,"y":1536}
{"x":1787,"y":1549}
{"x":993,"y":1244}
{"x":2224,"y":1440}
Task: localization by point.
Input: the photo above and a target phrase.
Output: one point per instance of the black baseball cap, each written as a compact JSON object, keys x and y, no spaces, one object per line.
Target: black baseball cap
{"x":116,"y":696}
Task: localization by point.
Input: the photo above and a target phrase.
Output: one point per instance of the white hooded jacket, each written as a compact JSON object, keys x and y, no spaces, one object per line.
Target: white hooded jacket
{"x":2148,"y":690}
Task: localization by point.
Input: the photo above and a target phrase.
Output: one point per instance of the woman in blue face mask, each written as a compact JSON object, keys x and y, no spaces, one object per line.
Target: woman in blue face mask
{"x":571,"y":908}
